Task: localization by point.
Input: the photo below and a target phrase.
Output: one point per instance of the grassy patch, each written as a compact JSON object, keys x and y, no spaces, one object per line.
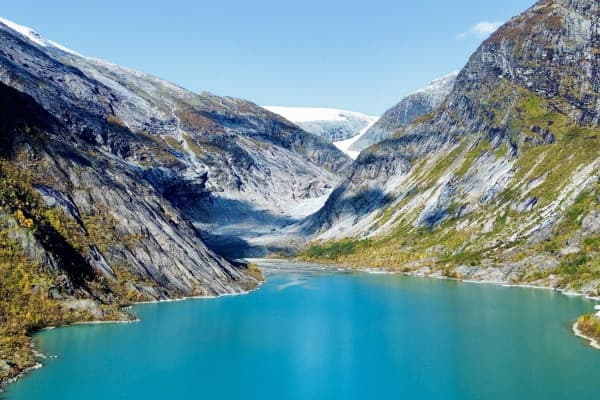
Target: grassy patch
{"x":551,"y":150}
{"x":334,"y":250}
{"x":589,"y":325}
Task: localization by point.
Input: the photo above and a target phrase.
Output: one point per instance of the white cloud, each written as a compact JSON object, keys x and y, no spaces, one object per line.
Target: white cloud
{"x":485,"y":28}
{"x":481,"y":29}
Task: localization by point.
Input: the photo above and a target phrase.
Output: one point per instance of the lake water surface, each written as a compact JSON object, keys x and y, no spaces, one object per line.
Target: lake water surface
{"x":326,"y":335}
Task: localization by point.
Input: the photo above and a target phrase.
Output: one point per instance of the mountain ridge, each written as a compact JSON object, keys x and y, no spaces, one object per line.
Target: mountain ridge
{"x":499,"y":183}
{"x":411,"y":107}
{"x":112,"y":182}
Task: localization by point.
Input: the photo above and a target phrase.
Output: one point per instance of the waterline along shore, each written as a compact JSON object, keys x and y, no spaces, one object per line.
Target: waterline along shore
{"x":127,"y":318}
{"x":390,"y":321}
{"x":437,"y":275}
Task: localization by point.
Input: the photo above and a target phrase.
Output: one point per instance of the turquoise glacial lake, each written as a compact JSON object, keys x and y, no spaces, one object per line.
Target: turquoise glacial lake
{"x":314,"y":334}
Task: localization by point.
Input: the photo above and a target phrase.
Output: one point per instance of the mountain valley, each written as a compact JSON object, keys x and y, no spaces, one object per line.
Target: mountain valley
{"x":117,"y":187}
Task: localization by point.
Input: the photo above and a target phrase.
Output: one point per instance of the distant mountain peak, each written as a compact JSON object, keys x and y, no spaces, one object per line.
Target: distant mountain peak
{"x":439,"y":84}
{"x":416,"y":104}
{"x":499,"y":183}
{"x":306,"y":114}
{"x":342,"y":127}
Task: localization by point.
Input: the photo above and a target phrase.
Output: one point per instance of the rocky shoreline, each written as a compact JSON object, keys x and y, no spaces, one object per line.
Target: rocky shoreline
{"x":591,"y":341}
{"x":420,"y":273}
{"x":493,"y":276}
{"x":20,"y":373}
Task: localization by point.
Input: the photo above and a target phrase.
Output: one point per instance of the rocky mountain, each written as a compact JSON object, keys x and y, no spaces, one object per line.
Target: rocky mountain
{"x":111,"y":182}
{"x":337,"y":126}
{"x":501,"y":182}
{"x":413,"y":106}
{"x":208,"y":155}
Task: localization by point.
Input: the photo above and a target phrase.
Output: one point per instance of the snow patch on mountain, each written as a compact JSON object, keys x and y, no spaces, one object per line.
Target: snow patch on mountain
{"x":308,"y":114}
{"x":341,"y":127}
{"x":34,"y":36}
{"x":439,"y":87}
{"x":416,"y":104}
{"x":346,"y":145}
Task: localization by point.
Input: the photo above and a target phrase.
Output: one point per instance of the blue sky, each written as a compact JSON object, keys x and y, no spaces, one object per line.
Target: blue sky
{"x":359,"y":55}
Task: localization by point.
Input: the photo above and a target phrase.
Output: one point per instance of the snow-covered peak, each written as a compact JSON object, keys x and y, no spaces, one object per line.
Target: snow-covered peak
{"x":309,"y":114}
{"x":33,"y":36}
{"x":341,"y":127}
{"x":419,"y":103}
{"x":346,"y":145}
{"x":440,"y":84}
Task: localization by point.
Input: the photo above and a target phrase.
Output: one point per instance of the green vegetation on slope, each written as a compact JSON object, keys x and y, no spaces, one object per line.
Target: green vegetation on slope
{"x":589,"y":325}
{"x":25,"y":304}
{"x":551,"y":150}
{"x":31,"y":292}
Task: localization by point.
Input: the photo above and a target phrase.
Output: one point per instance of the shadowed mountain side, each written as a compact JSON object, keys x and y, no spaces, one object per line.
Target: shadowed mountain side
{"x":344,"y":207}
{"x":92,"y":221}
{"x":233,"y":246}
{"x":236,"y":228}
{"x":116,"y":155}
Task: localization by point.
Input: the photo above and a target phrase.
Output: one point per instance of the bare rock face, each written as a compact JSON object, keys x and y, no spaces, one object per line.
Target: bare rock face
{"x":139,"y":165}
{"x":591,"y":223}
{"x":413,"y":106}
{"x":515,"y":142}
{"x":117,"y":222}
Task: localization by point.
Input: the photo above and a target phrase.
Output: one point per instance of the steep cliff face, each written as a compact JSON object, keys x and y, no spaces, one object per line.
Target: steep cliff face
{"x":220,"y":160}
{"x":413,"y":106}
{"x":107,"y":218}
{"x":106,"y":176}
{"x":233,"y":145}
{"x":81,"y":234}
{"x":501,"y":181}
